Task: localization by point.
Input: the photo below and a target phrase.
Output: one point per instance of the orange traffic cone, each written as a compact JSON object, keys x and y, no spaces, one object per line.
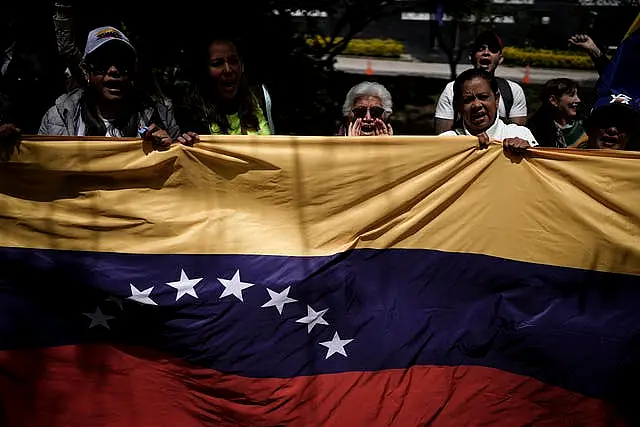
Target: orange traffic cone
{"x":369,"y":70}
{"x":527,"y":75}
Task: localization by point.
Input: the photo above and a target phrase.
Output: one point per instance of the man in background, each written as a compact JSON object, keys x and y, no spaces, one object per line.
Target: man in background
{"x":486,"y":53}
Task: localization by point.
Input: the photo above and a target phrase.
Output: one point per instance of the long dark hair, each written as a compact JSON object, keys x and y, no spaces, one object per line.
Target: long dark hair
{"x":143,"y":94}
{"x":202,"y":105}
{"x":542,"y":122}
{"x":458,"y":84}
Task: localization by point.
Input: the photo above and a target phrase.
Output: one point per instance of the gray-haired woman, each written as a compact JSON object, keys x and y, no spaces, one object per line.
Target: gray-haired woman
{"x":367,"y":111}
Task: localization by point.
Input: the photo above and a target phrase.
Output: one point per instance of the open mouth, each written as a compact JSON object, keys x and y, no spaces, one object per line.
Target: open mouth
{"x":609,"y":141}
{"x":484,"y":62}
{"x":479,"y":117}
{"x":227,"y":84}
{"x":113,"y":89}
{"x":573,"y":106}
{"x":367,"y":128}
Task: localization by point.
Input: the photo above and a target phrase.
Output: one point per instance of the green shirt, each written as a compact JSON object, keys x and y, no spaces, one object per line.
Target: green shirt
{"x":235,"y":127}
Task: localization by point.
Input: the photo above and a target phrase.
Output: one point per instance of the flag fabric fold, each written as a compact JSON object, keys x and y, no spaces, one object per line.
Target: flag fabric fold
{"x":317,"y":281}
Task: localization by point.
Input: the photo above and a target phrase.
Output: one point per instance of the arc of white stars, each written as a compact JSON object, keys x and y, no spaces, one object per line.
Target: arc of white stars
{"x":279,"y":299}
{"x":141,"y":297}
{"x":234,"y":286}
{"x":98,"y":318}
{"x":336,"y":345}
{"x":185,"y":285}
{"x":313,"y":318}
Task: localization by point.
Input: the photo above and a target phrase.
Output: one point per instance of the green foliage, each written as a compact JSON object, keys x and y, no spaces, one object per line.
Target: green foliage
{"x":547,"y":58}
{"x":375,"y":47}
{"x":386,"y":48}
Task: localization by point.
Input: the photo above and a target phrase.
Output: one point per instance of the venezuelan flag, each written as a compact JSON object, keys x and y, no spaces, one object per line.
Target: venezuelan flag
{"x":403,"y":281}
{"x":621,"y":74}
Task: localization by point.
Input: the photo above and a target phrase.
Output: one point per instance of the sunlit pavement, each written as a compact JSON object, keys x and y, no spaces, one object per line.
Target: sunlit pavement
{"x":389,"y":67}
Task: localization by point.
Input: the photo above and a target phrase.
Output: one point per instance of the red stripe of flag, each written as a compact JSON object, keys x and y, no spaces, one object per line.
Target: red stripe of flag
{"x":100,"y":385}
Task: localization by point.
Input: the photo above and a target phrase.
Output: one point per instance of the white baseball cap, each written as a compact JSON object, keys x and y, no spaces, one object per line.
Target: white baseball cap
{"x":104,"y":35}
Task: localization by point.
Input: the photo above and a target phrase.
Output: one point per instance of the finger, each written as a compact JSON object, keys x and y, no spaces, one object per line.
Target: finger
{"x":160,"y":134}
{"x":181,"y":140}
{"x":376,"y":128}
{"x":165,"y":142}
{"x":195,"y":137}
{"x":390,"y":129}
{"x":152,"y":128}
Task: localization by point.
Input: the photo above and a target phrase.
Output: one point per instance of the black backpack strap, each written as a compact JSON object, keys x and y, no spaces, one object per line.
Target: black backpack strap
{"x":506,"y":94}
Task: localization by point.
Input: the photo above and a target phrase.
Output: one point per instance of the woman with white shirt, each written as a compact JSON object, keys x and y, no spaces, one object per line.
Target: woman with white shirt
{"x":476,"y":98}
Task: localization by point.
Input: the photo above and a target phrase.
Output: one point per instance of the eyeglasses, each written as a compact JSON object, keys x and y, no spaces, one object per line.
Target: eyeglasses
{"x":361,"y":112}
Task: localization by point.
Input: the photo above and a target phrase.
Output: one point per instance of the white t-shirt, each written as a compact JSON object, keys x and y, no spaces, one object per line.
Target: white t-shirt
{"x":111,"y":131}
{"x":500,"y":131}
{"x":444,"y":109}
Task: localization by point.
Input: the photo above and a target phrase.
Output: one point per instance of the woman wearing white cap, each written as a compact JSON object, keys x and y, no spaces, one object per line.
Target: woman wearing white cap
{"x":111,"y":103}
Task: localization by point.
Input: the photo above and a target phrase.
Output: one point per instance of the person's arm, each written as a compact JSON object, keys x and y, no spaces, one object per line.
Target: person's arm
{"x":444,"y":111}
{"x":9,"y":140}
{"x":522,"y":121}
{"x":586,"y":43}
{"x":518,"y":113}
{"x":63,"y":23}
{"x":443,"y":125}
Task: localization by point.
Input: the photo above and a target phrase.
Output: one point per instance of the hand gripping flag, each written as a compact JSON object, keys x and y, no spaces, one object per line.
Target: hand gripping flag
{"x":282,"y":281}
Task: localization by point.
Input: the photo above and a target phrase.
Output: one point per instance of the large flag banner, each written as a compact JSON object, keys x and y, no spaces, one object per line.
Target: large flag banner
{"x":302,"y":281}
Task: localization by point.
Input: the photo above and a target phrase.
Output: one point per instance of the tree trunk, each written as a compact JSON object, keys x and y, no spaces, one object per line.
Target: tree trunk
{"x":454,"y":54}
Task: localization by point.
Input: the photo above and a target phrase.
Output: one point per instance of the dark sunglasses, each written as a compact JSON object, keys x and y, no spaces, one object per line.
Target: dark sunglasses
{"x":361,"y":112}
{"x":102,"y":68}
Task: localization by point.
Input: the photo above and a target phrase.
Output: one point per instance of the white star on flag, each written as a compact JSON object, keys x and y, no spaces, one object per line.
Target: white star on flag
{"x":234,"y":286}
{"x":621,"y":98}
{"x":313,"y":318}
{"x":278,"y":300}
{"x":141,"y":297}
{"x":98,"y":318}
{"x":336,"y":345}
{"x":116,"y":300}
{"x":185,"y":286}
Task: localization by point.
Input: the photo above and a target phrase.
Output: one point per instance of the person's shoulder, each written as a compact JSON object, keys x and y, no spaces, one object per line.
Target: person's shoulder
{"x":515,"y":87}
{"x":514,"y":127}
{"x":514,"y":130}
{"x":72,"y":97}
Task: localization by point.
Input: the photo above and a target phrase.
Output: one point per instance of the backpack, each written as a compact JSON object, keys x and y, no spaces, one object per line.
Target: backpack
{"x":506,"y":94}
{"x":264,"y":100}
